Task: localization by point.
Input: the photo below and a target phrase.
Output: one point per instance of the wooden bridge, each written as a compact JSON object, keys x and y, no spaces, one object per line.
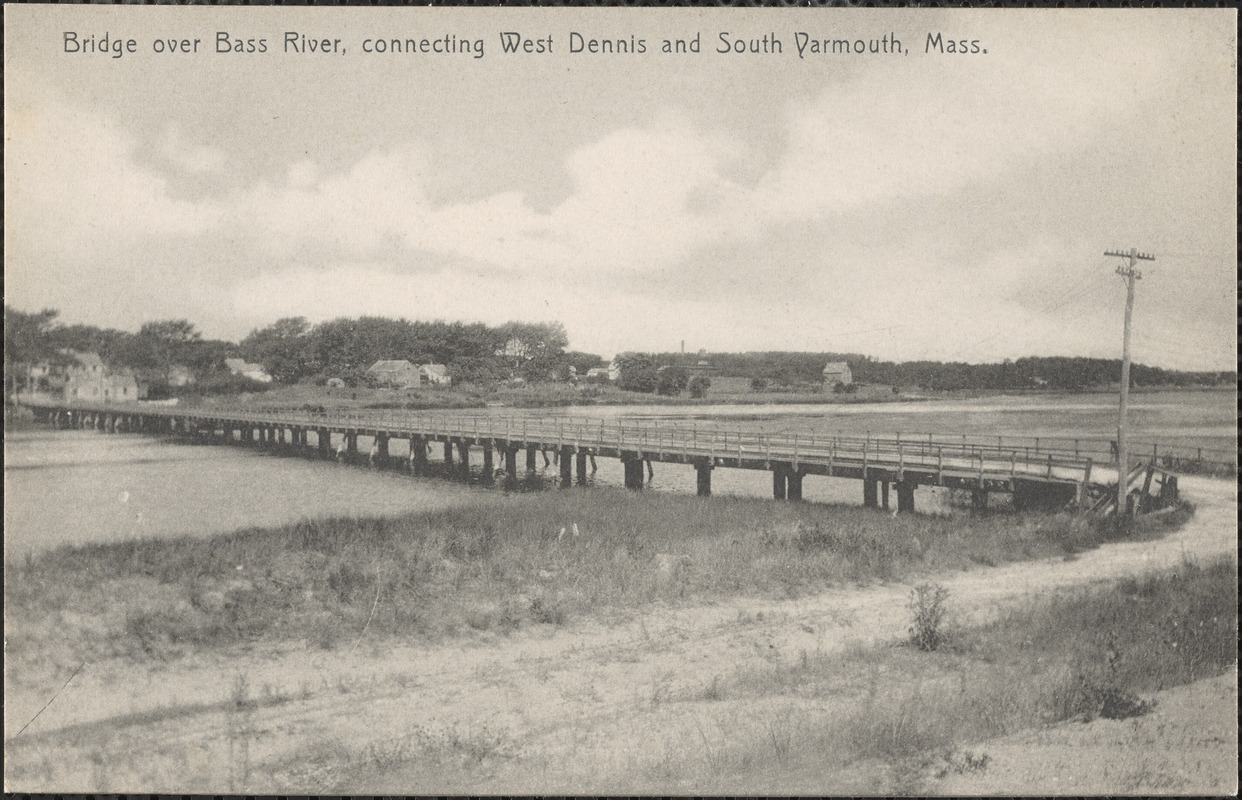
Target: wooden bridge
{"x":1047,"y":477}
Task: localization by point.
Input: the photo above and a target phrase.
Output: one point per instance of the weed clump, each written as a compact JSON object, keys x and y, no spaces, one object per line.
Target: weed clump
{"x":927,"y":607}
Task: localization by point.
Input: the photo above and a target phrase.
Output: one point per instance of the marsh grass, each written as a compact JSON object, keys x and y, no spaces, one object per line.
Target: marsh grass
{"x":495,"y":564}
{"x":1093,"y":653}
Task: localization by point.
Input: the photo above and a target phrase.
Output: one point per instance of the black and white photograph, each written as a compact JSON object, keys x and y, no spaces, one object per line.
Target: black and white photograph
{"x":625,"y":401}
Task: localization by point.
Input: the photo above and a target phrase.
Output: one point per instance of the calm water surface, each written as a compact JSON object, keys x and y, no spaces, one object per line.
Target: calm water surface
{"x":64,"y":487}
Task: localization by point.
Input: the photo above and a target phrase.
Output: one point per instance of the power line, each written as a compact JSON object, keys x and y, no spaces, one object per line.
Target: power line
{"x":1123,"y":465}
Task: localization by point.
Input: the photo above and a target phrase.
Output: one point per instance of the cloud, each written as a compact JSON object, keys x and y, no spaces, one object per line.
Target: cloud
{"x":896,"y":134}
{"x":73,"y":180}
{"x":188,"y":157}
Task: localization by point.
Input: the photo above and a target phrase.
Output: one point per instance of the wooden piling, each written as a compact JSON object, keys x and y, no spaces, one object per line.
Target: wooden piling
{"x":779,"y":488}
{"x":566,"y":460}
{"x":905,"y":497}
{"x":489,"y":465}
{"x":704,"y":482}
{"x":633,"y":464}
{"x":580,"y":463}
{"x":793,"y":485}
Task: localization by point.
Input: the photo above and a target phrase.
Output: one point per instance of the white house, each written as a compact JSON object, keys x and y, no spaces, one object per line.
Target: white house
{"x":254,"y":372}
{"x":837,"y":372}
{"x":396,"y":373}
{"x":436,"y":374}
{"x":91,"y":380}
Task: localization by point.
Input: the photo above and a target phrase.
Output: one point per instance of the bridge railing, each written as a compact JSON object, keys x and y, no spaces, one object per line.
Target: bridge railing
{"x":1025,"y":455}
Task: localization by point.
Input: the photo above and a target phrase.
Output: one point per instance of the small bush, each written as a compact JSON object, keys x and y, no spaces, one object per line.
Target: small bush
{"x":927,"y":607}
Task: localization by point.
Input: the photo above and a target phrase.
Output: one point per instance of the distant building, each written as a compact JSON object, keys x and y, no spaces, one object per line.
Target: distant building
{"x":614,"y":370}
{"x":396,"y":374}
{"x":598,"y":373}
{"x":837,"y":372}
{"x":436,"y":374}
{"x":254,"y":372}
{"x":93,"y":381}
{"x":702,"y":368}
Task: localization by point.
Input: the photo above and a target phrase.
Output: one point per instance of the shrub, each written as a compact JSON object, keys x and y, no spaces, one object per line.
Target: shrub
{"x":699,"y":385}
{"x":927,"y":608}
{"x":672,"y":380}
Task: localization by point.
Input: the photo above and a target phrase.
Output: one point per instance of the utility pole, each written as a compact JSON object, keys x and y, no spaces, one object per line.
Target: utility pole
{"x":1131,"y":275}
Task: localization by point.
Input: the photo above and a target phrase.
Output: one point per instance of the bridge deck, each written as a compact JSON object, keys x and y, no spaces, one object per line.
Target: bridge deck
{"x":921,"y":461}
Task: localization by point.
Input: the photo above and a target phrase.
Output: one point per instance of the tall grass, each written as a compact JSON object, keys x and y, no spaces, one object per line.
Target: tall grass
{"x":1093,"y":653}
{"x":495,"y":564}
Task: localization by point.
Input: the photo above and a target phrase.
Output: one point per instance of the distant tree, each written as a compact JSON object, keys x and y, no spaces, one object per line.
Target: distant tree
{"x":159,"y":346}
{"x":106,"y":342}
{"x":283,"y":348}
{"x":699,"y":385}
{"x":532,"y":350}
{"x":672,"y":380}
{"x":583,"y":362}
{"x":758,"y":384}
{"x":28,"y":341}
{"x":638,"y":372}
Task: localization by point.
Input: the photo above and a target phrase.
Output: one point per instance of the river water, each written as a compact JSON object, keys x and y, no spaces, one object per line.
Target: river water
{"x":73,"y":487}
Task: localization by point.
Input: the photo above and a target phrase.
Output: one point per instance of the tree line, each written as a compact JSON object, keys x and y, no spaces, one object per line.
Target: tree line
{"x":1066,"y":373}
{"x":293,"y":350}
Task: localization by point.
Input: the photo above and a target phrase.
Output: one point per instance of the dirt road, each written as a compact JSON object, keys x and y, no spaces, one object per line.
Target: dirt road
{"x":555,"y":708}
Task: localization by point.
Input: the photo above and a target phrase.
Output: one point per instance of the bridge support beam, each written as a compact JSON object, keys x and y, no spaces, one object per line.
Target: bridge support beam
{"x":793,"y":485}
{"x":580,"y":465}
{"x":323,"y":442}
{"x":448,"y":454}
{"x":489,"y":466}
{"x":905,"y":497}
{"x":778,"y":484}
{"x":381,"y":450}
{"x":530,"y":458}
{"x":463,"y":457}
{"x":418,"y":455}
{"x":565,"y":459}
{"x":979,"y":499}
{"x":884,"y":495}
{"x":871,"y":488}
{"x":703,"y":483}
{"x":633,"y":465}
{"x":511,"y":451}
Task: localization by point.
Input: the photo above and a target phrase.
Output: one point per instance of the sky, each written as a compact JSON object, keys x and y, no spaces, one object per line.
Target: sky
{"x":904,"y":204}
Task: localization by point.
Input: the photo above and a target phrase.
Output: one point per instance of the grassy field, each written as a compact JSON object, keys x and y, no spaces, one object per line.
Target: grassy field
{"x":905,"y":717}
{"x":888,"y":720}
{"x":494,"y":565}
